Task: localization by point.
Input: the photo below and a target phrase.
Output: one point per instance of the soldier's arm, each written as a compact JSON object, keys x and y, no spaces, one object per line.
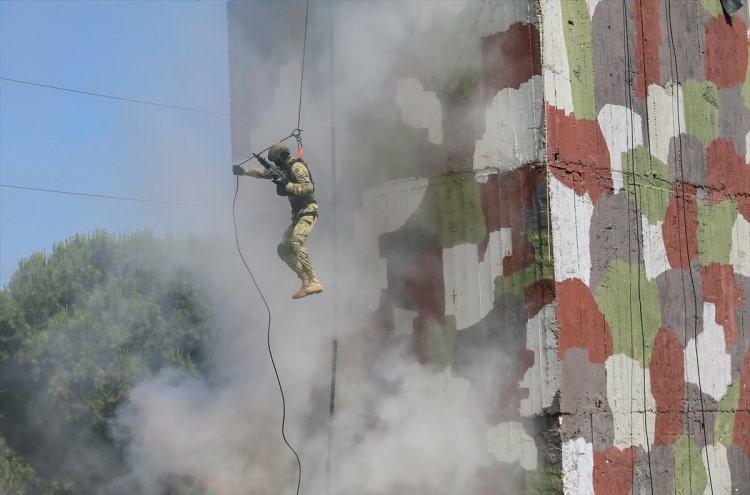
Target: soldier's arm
{"x":258,"y":173}
{"x":303,"y":185}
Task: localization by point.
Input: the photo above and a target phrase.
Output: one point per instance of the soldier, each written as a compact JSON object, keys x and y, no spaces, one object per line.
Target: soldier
{"x":300,"y":189}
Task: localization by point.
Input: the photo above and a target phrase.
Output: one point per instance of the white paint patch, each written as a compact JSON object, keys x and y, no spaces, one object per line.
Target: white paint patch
{"x":555,"y":66}
{"x":510,"y":443}
{"x":664,"y":103}
{"x":715,"y":362}
{"x":616,"y":123}
{"x":625,"y":394}
{"x":747,"y":148}
{"x":403,"y":322}
{"x":469,"y":283}
{"x":390,"y":205}
{"x":420,"y":108}
{"x":571,"y":222}
{"x":423,"y":13}
{"x":592,"y":6}
{"x":512,"y":136}
{"x":721,"y":476}
{"x":543,"y":379}
{"x":503,"y":14}
{"x":654,"y":252}
{"x":578,"y":467}
{"x":280,"y":104}
{"x":739,"y":256}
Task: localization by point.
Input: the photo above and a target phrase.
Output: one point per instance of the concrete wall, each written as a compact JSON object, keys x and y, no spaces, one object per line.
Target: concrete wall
{"x":647,"y":118}
{"x":559,"y":214}
{"x":463,"y":235}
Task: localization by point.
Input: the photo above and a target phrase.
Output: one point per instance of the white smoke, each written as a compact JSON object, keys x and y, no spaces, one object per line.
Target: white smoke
{"x":400,"y":427}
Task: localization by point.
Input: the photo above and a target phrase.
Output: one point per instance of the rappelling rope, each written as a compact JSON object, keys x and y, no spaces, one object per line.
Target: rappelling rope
{"x":675,"y":69}
{"x":268,"y":333}
{"x":297,"y":134}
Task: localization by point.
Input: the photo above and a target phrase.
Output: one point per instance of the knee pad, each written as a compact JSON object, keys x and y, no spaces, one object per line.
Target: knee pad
{"x":283,"y":250}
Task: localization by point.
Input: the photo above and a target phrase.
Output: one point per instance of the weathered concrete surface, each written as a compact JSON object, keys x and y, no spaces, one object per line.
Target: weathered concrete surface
{"x":560,"y":214}
{"x":647,"y":131}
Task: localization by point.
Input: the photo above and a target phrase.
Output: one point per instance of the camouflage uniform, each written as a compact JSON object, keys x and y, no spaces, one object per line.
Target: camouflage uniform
{"x":300,"y":191}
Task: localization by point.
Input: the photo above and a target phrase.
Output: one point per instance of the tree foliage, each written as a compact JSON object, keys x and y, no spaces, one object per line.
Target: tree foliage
{"x":78,"y":329}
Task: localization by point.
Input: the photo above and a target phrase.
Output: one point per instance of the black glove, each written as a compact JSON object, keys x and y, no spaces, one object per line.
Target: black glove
{"x":237,"y":170}
{"x":280,"y":182}
{"x":281,"y":189}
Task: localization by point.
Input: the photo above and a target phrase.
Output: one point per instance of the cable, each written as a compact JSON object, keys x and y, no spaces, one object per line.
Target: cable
{"x":302,"y":73}
{"x":268,"y":334}
{"x":106,"y":196}
{"x":638,"y":220}
{"x":120,"y":98}
{"x":687,"y":246}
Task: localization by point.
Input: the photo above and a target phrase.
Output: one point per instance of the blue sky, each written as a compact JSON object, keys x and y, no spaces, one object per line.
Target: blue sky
{"x":170,"y":52}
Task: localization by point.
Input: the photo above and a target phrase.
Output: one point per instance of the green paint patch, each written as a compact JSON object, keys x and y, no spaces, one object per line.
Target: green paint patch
{"x":724,"y":429}
{"x":544,"y":480}
{"x":689,"y":474}
{"x":441,"y":342}
{"x":631,"y":306}
{"x":580,"y":49}
{"x":518,"y":281}
{"x":715,"y":224}
{"x":713,"y":7}
{"x":452,"y":209}
{"x":701,"y":99}
{"x":648,"y":183}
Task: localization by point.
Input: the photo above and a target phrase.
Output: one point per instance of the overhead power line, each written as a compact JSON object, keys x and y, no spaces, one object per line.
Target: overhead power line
{"x":111,"y":97}
{"x":106,"y":196}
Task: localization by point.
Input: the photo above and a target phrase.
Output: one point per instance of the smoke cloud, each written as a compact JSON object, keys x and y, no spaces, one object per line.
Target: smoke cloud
{"x":400,"y":426}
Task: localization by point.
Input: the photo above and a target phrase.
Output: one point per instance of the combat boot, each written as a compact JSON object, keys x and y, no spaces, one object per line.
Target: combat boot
{"x":302,"y":292}
{"x":314,"y":287}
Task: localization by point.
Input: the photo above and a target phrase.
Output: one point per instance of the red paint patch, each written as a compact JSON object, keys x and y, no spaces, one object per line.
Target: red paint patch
{"x":510,"y":58}
{"x":726,"y":51}
{"x":741,"y":436}
{"x":507,"y":198}
{"x":613,"y":470}
{"x":721,"y":288}
{"x":681,"y":214}
{"x":580,"y":323}
{"x":667,"y":371}
{"x":538,"y":295}
{"x":728,"y":174}
{"x":577,"y":153}
{"x":647,"y":40}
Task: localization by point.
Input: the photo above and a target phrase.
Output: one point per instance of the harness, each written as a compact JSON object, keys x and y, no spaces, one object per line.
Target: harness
{"x":300,"y":203}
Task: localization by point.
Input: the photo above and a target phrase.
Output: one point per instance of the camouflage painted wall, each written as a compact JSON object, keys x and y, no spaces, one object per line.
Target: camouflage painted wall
{"x":636,"y":335}
{"x":559,"y":214}
{"x":462,"y":232}
{"x":648,"y":120}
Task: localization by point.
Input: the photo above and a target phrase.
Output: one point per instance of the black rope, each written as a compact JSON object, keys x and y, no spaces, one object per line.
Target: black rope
{"x":268,"y":334}
{"x":638,"y":239}
{"x":302,"y":73}
{"x":673,"y":64}
{"x":105,"y":196}
{"x":638,"y":221}
{"x":111,"y":97}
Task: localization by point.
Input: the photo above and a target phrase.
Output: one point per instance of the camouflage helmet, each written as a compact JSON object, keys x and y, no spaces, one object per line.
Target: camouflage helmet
{"x":278,"y":152}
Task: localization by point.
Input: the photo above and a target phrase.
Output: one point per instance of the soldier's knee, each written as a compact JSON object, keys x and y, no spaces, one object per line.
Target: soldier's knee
{"x":283,"y":250}
{"x":295,"y":246}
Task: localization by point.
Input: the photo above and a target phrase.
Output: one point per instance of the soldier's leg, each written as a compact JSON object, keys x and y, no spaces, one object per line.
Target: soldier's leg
{"x":289,"y":256}
{"x":300,"y":232}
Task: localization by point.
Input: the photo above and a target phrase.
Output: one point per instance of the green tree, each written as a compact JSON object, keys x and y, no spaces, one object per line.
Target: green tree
{"x":78,"y":329}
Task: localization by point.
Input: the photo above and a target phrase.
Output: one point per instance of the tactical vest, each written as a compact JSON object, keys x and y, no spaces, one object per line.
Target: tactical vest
{"x":299,"y":203}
